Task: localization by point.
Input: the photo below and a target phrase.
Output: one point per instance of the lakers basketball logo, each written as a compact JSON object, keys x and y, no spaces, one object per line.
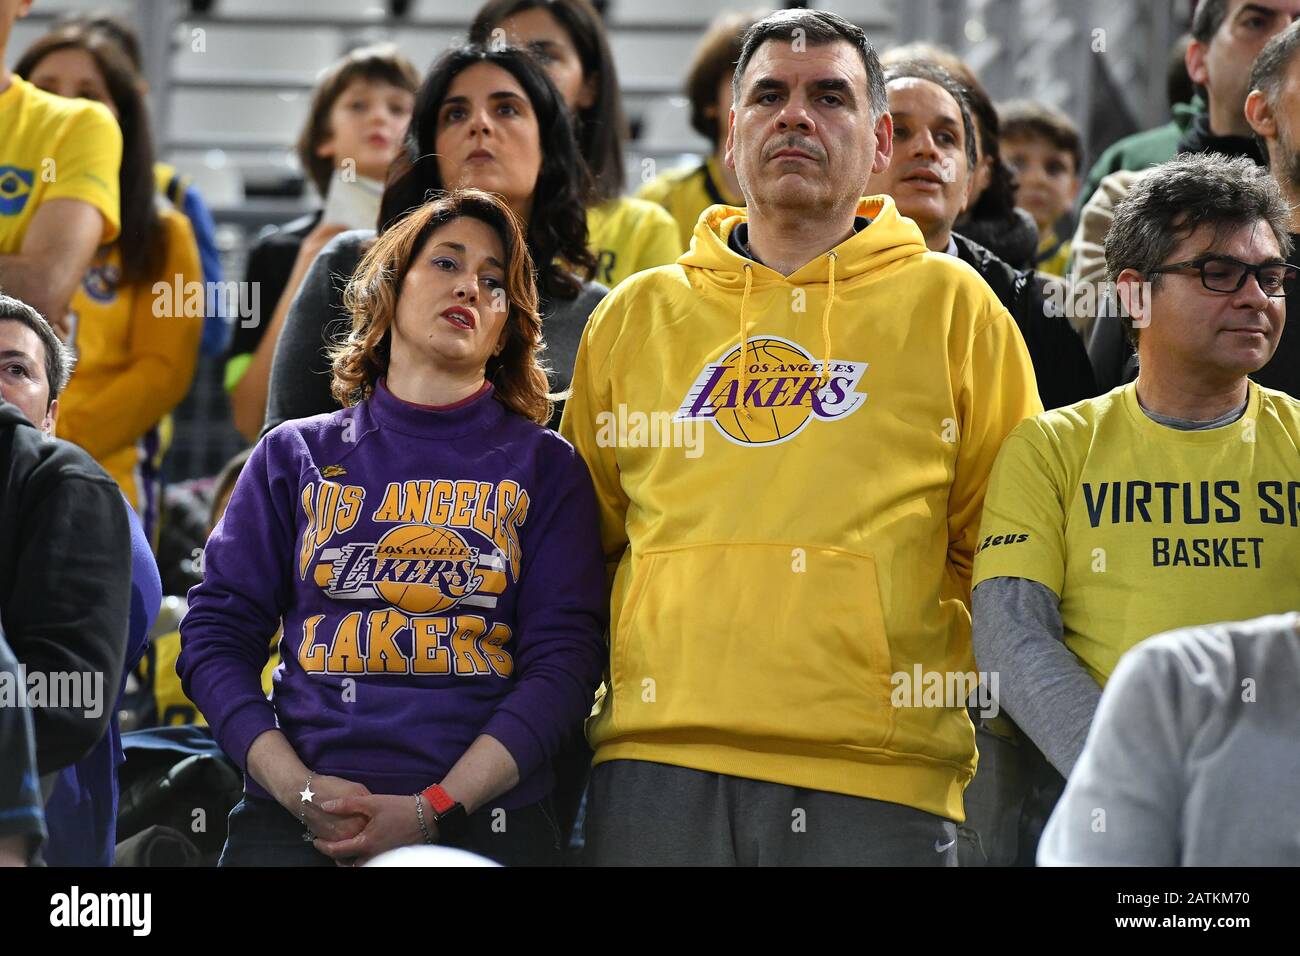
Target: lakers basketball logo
{"x":784,"y":391}
{"x":101,"y":281}
{"x":15,"y":187}
{"x":417,"y":568}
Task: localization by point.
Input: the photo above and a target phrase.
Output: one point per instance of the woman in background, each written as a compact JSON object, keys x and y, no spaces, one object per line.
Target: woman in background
{"x":567,"y":37}
{"x":483,"y":118}
{"x":358,"y":114}
{"x":137,"y":345}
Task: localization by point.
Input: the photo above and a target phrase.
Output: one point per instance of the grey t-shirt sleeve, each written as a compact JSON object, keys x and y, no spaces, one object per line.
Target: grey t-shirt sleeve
{"x":1018,"y":634}
{"x":1123,"y":804}
{"x":300,"y":370}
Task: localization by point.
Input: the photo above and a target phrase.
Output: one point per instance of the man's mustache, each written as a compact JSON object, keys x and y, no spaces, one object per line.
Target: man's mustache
{"x":795,"y":142}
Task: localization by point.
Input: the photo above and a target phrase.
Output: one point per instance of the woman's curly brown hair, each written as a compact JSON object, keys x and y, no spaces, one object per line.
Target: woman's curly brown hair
{"x":361,"y":359}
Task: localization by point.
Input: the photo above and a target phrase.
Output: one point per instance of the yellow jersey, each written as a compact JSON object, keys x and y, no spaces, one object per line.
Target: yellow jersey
{"x":137,"y":348}
{"x":1141,"y":528}
{"x":628,"y":236}
{"x":688,"y":191}
{"x":54,"y":148}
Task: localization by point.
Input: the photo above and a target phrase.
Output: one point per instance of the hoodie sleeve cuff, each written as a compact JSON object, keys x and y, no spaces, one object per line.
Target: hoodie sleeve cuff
{"x":241,"y":728}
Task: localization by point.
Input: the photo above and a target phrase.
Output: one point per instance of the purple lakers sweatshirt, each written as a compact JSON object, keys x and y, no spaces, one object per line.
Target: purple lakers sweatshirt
{"x":439,"y":575}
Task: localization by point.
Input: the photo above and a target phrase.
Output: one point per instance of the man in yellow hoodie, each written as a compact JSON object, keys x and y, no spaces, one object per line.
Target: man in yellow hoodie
{"x":790,"y":431}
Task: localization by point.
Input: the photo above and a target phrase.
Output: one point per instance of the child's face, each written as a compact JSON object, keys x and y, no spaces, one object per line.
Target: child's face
{"x":367,"y":123}
{"x":1048,"y":179}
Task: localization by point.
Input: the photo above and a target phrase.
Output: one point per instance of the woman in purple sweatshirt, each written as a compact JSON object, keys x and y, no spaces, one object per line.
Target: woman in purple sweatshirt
{"x":434,"y":555}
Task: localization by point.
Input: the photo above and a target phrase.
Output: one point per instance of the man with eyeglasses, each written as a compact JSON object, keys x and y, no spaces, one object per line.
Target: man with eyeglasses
{"x":1169,"y":502}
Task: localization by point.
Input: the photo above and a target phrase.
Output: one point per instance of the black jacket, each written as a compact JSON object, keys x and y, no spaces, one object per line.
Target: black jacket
{"x":1199,"y":138}
{"x":20,"y":794}
{"x":1014,"y":240}
{"x":1060,"y":360}
{"x":65,"y":580}
{"x":270,"y":263}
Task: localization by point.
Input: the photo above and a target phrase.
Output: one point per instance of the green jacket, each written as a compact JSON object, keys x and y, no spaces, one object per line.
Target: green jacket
{"x":1141,"y":150}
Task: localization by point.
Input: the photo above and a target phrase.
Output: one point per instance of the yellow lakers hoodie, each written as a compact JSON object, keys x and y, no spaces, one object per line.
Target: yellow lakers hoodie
{"x":790,"y":472}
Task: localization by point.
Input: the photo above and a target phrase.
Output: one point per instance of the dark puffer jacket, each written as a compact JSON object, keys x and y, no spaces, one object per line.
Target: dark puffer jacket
{"x":1060,"y":361}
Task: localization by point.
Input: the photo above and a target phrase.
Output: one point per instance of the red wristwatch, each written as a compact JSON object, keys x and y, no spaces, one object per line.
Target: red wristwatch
{"x":451,"y":817}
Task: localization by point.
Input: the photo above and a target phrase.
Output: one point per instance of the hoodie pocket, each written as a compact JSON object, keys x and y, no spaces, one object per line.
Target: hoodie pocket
{"x":754,"y":640}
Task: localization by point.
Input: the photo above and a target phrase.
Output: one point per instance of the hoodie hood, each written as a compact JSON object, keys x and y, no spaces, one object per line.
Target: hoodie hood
{"x":887,"y":238}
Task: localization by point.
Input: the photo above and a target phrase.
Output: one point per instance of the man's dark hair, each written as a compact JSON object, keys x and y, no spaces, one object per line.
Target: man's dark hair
{"x":58,"y":357}
{"x":1273,"y":61}
{"x":1209,"y":16}
{"x":1179,"y":87}
{"x":934,"y":73}
{"x":1031,"y":119}
{"x":998,"y":201}
{"x":1171,"y":201}
{"x":815,"y":28}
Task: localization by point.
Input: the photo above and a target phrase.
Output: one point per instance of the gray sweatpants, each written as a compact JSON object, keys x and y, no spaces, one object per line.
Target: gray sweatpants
{"x":651,"y":814}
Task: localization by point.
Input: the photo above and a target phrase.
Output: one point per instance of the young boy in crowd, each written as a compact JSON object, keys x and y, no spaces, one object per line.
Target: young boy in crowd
{"x":1042,"y":145}
{"x":355,"y":124}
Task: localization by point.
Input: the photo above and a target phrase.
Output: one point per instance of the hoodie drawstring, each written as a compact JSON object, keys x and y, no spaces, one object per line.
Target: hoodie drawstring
{"x":744,"y":329}
{"x":743,"y":371}
{"x":826,"y":324}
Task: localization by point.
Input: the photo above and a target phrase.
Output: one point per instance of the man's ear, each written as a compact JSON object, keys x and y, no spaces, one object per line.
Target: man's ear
{"x":729,"y":157}
{"x":1135,"y":295}
{"x":1260,"y":116}
{"x":1194,"y":60}
{"x":884,"y":143}
{"x":51,"y":418}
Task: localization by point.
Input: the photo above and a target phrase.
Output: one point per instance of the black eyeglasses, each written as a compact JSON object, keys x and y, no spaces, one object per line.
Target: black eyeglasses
{"x":1226,"y":274}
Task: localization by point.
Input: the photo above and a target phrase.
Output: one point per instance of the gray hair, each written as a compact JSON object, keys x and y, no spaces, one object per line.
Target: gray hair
{"x":59,"y":359}
{"x":1171,"y":201}
{"x":816,"y":28}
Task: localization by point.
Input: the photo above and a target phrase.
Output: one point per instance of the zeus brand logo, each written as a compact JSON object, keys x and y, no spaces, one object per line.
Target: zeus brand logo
{"x":784,"y":391}
{"x":994,"y":540}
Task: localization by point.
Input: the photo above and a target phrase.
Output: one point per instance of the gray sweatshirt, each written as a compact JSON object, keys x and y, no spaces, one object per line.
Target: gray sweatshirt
{"x":300,"y":372}
{"x":1194,"y":756}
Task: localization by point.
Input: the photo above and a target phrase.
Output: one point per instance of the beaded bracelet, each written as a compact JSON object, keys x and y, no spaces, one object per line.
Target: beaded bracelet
{"x":419,"y":809}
